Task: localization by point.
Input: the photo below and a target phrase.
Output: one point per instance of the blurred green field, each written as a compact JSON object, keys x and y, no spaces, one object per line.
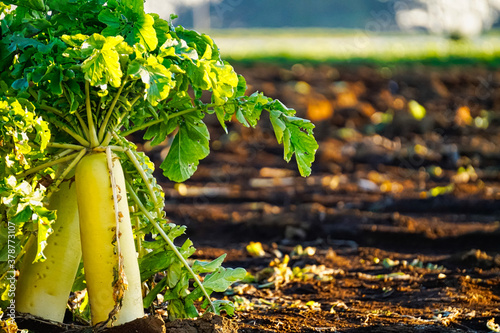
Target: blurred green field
{"x":334,"y":46}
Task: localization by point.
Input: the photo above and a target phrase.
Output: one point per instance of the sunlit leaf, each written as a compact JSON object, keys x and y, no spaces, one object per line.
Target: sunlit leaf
{"x":157,"y":78}
{"x":190,"y":145}
{"x":200,"y":267}
{"x":103,"y":65}
{"x":296,"y":135}
{"x":223,"y":278}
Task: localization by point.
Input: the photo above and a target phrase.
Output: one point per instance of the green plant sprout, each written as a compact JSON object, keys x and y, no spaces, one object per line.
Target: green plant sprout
{"x":76,"y":78}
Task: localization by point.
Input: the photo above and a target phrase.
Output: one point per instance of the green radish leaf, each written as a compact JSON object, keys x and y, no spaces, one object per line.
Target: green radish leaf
{"x":249,"y":112}
{"x":200,"y":42}
{"x":175,"y":309}
{"x":223,"y":278}
{"x":174,"y":273}
{"x":112,"y":20}
{"x":55,"y":79}
{"x":199,"y":74}
{"x":19,"y":42}
{"x":222,"y":116}
{"x":190,"y":309}
{"x":226,"y":84}
{"x":279,"y":125}
{"x":189,"y":146}
{"x":130,"y":21}
{"x":299,"y":140}
{"x":74,"y":40}
{"x":220,"y":305}
{"x":103,"y":64}
{"x":20,"y":84}
{"x":161,"y":27}
{"x":144,"y":32}
{"x":181,"y":289}
{"x":187,"y":248}
{"x":79,"y":283}
{"x":296,"y":134}
{"x":242,"y":87}
{"x":156,"y":77}
{"x":196,"y":294}
{"x":151,"y":296}
{"x":200,"y":267}
{"x":178,"y":49}
{"x":4,"y":236}
{"x":154,"y":262}
{"x":159,"y":132}
{"x":45,"y":218}
{"x":176,"y":231}
{"x":136,"y":6}
{"x":23,"y":216}
{"x":32,"y":4}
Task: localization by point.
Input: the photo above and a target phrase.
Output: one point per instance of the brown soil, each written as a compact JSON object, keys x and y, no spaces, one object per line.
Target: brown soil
{"x":393,"y":253}
{"x":402,"y":215}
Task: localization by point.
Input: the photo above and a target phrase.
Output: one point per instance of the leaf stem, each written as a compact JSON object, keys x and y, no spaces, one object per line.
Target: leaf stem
{"x":64,"y":153}
{"x":139,"y":169}
{"x":133,"y":210}
{"x":136,"y":98}
{"x":48,"y":164}
{"x":107,"y":139}
{"x":94,"y":141}
{"x":64,"y":146}
{"x":122,"y":116}
{"x":156,"y":121}
{"x":80,"y":119}
{"x":52,"y":109}
{"x":183,"y":112}
{"x":109,"y":134}
{"x":81,"y":140}
{"x":104,"y":124}
{"x":67,"y":170}
{"x":71,"y":132}
{"x":85,"y":129}
{"x":152,"y":220}
{"x":144,"y":177}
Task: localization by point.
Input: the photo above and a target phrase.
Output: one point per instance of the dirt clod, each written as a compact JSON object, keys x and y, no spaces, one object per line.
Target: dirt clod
{"x":209,"y":323}
{"x":148,"y":324}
